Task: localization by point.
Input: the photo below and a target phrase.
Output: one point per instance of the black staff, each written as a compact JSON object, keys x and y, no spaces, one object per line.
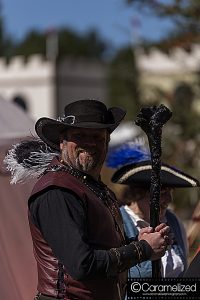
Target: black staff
{"x":151,"y":120}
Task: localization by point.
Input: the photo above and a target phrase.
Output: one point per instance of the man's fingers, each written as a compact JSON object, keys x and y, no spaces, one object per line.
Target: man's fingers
{"x":146,"y":230}
{"x":160,"y":227}
{"x":163,"y":229}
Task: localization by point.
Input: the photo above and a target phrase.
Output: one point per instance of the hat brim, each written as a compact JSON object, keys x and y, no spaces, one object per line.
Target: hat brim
{"x":140,"y":175}
{"x":49,"y":130}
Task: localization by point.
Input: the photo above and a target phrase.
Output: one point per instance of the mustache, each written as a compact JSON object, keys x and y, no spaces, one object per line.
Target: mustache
{"x":88,"y":150}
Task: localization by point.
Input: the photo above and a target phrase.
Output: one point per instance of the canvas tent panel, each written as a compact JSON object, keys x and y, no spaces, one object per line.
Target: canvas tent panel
{"x":18,"y":278}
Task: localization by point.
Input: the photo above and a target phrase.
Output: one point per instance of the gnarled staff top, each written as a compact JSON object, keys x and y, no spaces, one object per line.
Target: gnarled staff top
{"x":153,"y":118}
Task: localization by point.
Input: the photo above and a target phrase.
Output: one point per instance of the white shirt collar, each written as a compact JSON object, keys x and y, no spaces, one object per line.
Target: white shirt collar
{"x":139,"y":222}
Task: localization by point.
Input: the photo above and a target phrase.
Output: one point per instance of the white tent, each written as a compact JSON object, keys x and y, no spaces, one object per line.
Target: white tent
{"x":18,"y":269}
{"x":15,"y":123}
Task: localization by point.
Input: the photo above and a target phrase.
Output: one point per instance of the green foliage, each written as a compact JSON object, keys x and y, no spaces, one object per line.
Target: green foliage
{"x":182,"y":143}
{"x":33,"y":42}
{"x":76,"y":45}
{"x":181,"y":136}
{"x":185,"y":15}
{"x":182,"y":11}
{"x":124,"y":82}
{"x":64,"y":41}
{"x":6,"y":43}
{"x":70,"y":43}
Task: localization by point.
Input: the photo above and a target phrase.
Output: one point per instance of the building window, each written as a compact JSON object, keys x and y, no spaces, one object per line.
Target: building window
{"x":21,"y":102}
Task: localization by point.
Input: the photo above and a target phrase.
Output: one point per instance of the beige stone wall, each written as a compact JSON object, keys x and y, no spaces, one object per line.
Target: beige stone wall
{"x":162,"y":72}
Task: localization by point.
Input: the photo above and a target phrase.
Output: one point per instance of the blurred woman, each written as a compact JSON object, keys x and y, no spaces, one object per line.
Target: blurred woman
{"x":135,"y":174}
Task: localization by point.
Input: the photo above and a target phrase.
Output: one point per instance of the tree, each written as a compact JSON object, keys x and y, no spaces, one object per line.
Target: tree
{"x":185,"y":15}
{"x":33,"y":43}
{"x":73,"y":44}
{"x":1,"y":34}
{"x":182,"y":12}
{"x":124,"y":82}
{"x":6,"y":43}
{"x":70,"y":43}
{"x":182,"y":139}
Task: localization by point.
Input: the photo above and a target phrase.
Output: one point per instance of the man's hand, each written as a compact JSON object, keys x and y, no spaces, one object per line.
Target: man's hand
{"x":158,"y":239}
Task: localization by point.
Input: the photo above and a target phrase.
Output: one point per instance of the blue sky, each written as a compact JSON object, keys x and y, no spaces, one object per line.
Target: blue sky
{"x":112,"y":18}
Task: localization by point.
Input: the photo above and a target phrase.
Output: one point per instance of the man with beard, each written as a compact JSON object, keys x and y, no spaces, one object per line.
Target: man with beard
{"x":76,"y":227}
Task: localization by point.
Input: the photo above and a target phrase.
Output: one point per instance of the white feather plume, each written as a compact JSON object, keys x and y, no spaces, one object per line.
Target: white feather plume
{"x":37,"y":156}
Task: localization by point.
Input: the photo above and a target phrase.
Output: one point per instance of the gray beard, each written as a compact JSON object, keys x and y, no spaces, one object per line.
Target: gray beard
{"x":89,"y":165}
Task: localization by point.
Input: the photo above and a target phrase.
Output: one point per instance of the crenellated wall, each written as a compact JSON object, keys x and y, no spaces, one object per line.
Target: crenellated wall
{"x":161,"y":73}
{"x":177,"y":61}
{"x":17,"y":68}
{"x":32,"y":80}
{"x":47,"y":88}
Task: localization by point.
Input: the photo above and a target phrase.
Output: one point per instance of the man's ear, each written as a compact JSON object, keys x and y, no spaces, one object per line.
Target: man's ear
{"x":108,"y":137}
{"x":61,"y":141}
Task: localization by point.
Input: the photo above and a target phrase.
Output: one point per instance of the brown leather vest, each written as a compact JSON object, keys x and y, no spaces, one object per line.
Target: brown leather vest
{"x":102,"y":234}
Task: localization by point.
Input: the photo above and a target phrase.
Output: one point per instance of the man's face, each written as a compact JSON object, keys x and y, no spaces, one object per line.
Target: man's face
{"x":85,"y":149}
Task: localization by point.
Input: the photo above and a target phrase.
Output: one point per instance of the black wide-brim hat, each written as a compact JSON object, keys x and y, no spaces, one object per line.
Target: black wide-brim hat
{"x":79,"y":114}
{"x":139,"y":175}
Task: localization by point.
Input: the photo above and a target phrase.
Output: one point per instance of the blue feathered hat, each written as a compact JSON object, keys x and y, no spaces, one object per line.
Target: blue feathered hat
{"x":133,"y":163}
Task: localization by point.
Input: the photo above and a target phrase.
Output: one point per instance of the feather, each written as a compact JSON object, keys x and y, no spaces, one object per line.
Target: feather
{"x":28,"y":159}
{"x":128,"y":153}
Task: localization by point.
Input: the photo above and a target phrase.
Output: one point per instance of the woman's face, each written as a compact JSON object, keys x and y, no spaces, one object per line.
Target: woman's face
{"x":141,"y":197}
{"x":165,"y":200}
